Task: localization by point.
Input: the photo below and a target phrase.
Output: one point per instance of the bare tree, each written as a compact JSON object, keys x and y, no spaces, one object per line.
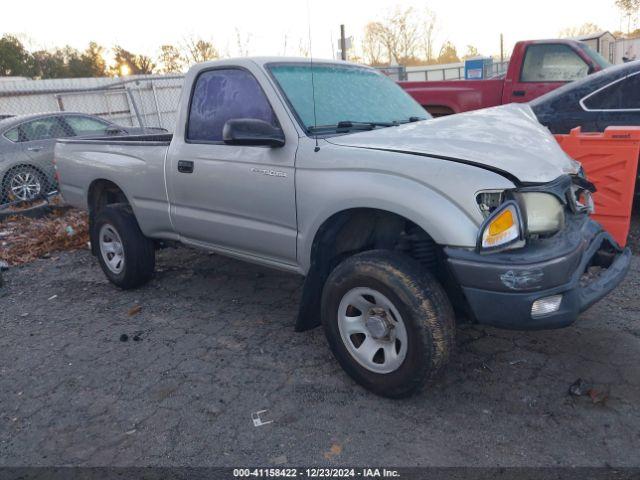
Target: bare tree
{"x":584,"y":29}
{"x":471,"y":52}
{"x":171,"y":59}
{"x":407,"y":31}
{"x":402,"y":34}
{"x":630,"y":9}
{"x":144,"y":64}
{"x":303,"y":48}
{"x":372,"y":46}
{"x":242,"y":43}
{"x":198,"y":50}
{"x":428,"y":34}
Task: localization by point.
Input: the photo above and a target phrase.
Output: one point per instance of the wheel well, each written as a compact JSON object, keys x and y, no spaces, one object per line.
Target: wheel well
{"x":358,"y":230}
{"x":103,"y":193}
{"x":438,"y":110}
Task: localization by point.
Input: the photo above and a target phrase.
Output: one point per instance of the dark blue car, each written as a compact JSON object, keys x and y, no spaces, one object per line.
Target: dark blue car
{"x":607,"y":98}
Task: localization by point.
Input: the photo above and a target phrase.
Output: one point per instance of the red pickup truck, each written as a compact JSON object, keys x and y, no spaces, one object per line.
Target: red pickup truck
{"x":535,"y":68}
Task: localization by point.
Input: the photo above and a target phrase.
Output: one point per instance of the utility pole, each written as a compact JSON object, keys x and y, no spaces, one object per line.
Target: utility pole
{"x":501,"y":48}
{"x":343,"y":43}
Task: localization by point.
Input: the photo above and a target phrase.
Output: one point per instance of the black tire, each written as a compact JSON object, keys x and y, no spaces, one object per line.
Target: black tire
{"x":7,"y":195}
{"x":138,"y":251}
{"x":422,"y":304}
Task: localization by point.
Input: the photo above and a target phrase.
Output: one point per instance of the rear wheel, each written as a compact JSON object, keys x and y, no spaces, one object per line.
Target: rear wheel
{"x":126,"y":256}
{"x":388,"y":322}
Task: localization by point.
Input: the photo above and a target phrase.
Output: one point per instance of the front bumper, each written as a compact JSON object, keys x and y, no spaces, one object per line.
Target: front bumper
{"x":500,"y":288}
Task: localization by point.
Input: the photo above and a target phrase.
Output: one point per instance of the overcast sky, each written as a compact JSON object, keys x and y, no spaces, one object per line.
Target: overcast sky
{"x":143,"y":26}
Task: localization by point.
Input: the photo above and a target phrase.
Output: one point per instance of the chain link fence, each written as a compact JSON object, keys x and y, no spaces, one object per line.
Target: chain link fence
{"x":35,"y":113}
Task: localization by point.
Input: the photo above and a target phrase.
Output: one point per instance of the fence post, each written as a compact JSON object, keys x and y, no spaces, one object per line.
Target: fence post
{"x":60,"y":104}
{"x":155,"y":101}
{"x":134,"y":105}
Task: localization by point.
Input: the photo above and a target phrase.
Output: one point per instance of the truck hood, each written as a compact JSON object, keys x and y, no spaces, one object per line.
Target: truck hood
{"x":506,"y":139}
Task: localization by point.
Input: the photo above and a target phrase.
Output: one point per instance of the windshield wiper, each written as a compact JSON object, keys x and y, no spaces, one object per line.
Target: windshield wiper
{"x":347,"y":125}
{"x":411,"y":120}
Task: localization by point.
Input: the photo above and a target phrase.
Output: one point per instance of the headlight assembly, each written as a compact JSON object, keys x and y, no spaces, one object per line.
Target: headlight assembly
{"x":502,"y":229}
{"x":543,"y":212}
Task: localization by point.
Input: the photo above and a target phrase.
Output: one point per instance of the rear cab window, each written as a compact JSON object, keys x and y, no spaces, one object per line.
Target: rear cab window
{"x":552,"y":63}
{"x":224,"y":94}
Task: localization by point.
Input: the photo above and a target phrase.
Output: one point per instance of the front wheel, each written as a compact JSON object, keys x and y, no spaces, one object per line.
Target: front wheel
{"x":23,"y":183}
{"x":126,"y":256}
{"x":388,"y":322}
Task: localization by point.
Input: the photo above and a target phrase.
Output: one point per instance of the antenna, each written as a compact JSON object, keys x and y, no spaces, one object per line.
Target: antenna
{"x":313,"y":84}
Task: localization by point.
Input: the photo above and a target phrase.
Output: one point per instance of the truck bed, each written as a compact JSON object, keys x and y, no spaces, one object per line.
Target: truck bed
{"x":149,"y":139}
{"x":455,"y":96}
{"x":135,"y":163}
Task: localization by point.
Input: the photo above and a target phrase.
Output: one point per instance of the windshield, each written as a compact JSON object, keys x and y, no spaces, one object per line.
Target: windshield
{"x":595,"y":56}
{"x":344,"y":94}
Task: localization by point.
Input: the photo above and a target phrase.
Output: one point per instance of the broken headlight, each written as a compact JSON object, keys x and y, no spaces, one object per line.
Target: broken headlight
{"x":489,"y":200}
{"x":543,"y":212}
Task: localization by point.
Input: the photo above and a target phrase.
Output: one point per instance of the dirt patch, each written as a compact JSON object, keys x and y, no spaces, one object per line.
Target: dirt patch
{"x":25,"y":239}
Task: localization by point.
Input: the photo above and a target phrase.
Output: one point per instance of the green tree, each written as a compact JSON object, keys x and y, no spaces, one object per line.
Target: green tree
{"x":15,"y":60}
{"x":67,"y":62}
{"x":49,"y":64}
{"x":128,"y":63}
{"x":448,"y":53}
{"x":93,"y":60}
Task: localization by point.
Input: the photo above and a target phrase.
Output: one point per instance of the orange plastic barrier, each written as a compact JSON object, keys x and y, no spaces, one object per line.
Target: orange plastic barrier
{"x":610,"y":160}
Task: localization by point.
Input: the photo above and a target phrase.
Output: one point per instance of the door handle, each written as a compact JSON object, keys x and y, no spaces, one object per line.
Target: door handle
{"x":34,"y":149}
{"x":185,"y":166}
{"x":518,"y":93}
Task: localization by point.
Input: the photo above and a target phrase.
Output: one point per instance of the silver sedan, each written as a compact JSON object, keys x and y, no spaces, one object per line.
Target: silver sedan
{"x":26,"y":149}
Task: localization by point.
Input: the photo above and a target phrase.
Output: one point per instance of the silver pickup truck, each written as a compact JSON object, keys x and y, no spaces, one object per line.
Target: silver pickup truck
{"x":400,"y":223}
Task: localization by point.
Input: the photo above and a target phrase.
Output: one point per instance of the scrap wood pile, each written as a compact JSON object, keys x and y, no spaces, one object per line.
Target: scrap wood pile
{"x":25,"y":239}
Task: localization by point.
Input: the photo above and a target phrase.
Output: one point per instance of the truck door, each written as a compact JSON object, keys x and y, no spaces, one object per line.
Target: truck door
{"x":545,"y":67}
{"x":240,"y":199}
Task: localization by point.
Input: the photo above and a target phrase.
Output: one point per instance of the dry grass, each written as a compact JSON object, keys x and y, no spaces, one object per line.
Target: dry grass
{"x":25,"y":239}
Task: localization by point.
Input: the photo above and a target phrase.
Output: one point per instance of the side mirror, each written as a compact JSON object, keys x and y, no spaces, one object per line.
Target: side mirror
{"x":114,"y":131}
{"x":252,"y":132}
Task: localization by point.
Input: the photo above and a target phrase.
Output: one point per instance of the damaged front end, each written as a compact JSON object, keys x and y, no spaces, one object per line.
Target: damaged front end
{"x":543,"y":262}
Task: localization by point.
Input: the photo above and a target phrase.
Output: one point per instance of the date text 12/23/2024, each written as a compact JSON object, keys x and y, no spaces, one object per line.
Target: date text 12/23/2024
{"x":315,"y":473}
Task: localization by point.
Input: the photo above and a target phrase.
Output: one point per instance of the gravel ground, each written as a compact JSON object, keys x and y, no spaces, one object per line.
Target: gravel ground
{"x":634,"y":231}
{"x":210,"y":341}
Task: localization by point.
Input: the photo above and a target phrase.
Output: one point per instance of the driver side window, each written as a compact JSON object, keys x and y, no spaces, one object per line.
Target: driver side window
{"x":552,"y":63}
{"x":224,"y":94}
